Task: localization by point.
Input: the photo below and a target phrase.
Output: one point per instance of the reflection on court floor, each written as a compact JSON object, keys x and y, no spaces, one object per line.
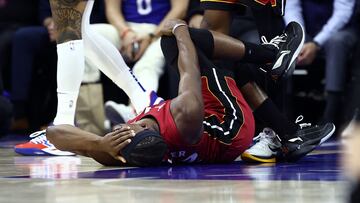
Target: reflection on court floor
{"x":316,"y":178}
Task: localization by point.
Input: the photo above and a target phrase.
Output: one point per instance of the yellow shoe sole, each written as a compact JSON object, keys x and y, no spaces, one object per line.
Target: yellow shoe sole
{"x":250,"y":158}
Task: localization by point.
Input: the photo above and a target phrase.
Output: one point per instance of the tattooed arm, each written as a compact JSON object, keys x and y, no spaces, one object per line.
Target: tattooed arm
{"x":67,"y":15}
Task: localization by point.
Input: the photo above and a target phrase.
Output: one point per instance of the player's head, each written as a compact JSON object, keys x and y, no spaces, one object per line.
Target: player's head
{"x":147,"y":148}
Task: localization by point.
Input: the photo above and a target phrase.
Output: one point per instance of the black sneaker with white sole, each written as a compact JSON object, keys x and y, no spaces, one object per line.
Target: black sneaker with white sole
{"x":288,"y":45}
{"x":306,"y":140}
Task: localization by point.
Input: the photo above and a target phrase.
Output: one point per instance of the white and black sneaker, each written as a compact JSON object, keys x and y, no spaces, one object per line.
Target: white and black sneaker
{"x":288,"y":45}
{"x":120,"y":113}
{"x":266,"y":148}
{"x":305,"y":140}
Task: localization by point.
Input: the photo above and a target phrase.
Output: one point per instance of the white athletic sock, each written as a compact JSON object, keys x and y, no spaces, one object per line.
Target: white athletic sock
{"x":107,"y":58}
{"x":70,"y":70}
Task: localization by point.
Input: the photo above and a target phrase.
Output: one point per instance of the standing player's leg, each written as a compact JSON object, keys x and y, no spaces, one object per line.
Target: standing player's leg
{"x":107,"y":58}
{"x":71,"y":62}
{"x":268,"y":16}
{"x":67,"y":16}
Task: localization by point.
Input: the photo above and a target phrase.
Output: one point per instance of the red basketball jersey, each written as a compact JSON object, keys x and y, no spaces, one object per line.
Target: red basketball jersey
{"x":228,"y":126}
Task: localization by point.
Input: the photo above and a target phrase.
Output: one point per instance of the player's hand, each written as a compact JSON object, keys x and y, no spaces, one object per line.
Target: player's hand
{"x":126,"y":48}
{"x":169,"y":26}
{"x":115,"y":141}
{"x":307,"y":54}
{"x":144,"y":42}
{"x":137,"y":127}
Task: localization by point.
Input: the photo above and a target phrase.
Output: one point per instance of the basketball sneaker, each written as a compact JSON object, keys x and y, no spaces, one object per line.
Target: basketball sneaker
{"x":120,"y":113}
{"x":265,"y":149}
{"x":305,"y":140}
{"x":39,"y":145}
{"x":270,"y":148}
{"x":288,"y":46}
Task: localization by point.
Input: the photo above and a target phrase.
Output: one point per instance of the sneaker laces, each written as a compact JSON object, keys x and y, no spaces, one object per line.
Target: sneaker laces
{"x":302,"y":125}
{"x":38,"y":137}
{"x":274,"y":41}
{"x":265,"y":138}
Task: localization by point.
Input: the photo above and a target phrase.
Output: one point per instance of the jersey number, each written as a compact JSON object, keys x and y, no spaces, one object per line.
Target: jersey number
{"x":144,"y":7}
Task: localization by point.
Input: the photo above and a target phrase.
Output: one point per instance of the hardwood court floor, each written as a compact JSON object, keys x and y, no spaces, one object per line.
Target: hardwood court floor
{"x":316,"y":178}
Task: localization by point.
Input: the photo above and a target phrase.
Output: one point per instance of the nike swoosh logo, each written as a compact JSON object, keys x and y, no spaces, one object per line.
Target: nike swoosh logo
{"x":295,"y":139}
{"x":280,"y":59}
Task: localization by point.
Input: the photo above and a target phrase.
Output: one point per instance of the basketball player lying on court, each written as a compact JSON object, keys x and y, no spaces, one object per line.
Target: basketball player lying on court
{"x":209,"y":121}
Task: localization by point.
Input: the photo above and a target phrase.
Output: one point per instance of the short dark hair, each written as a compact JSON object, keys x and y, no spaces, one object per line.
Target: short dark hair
{"x":147,"y":148}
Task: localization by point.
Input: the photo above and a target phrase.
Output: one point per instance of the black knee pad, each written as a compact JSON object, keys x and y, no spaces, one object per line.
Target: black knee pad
{"x":203,"y":40}
{"x":170,"y":49}
{"x":243,"y":74}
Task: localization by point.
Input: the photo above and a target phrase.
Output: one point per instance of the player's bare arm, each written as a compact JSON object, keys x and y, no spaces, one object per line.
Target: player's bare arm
{"x":103,"y":149}
{"x":187,"y":108}
{"x":67,"y":15}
